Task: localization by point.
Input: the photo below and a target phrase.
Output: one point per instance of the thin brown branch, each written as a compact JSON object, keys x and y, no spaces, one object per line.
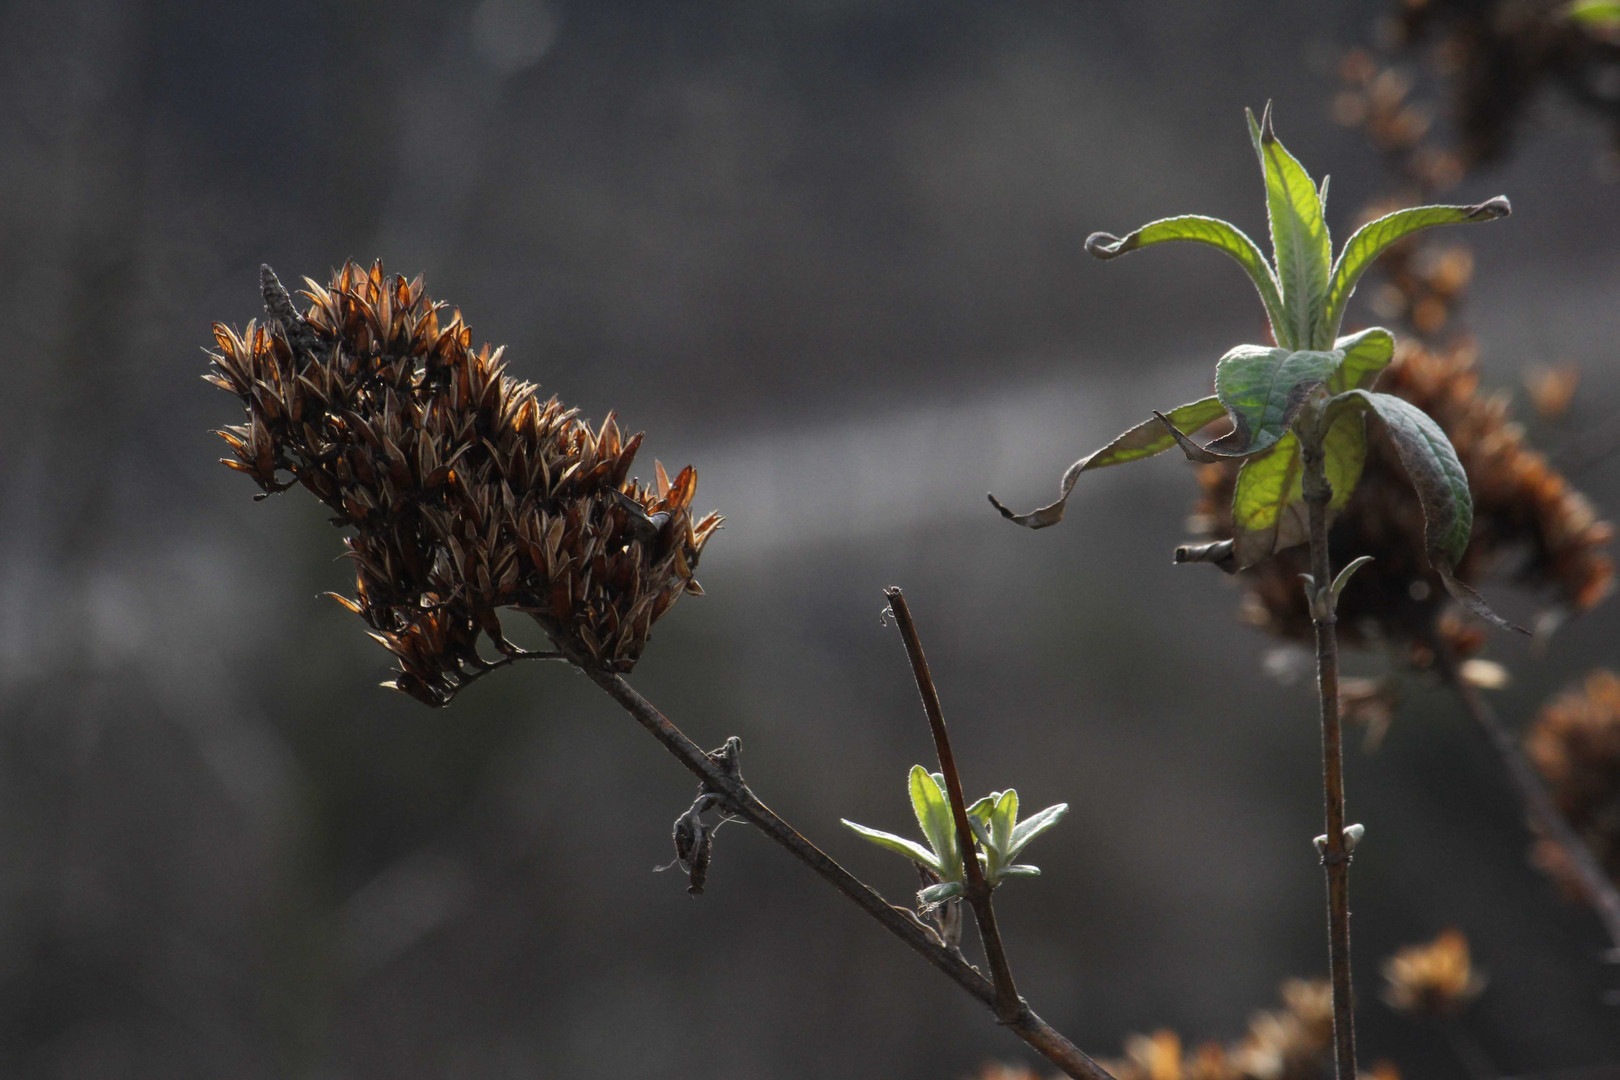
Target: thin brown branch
{"x":1336,"y":852}
{"x":1533,"y":794}
{"x":1008,"y":1004}
{"x":741,"y":801}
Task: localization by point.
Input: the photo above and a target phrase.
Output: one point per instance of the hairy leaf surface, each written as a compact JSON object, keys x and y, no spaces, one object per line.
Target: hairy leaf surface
{"x":1301,"y":247}
{"x":1366,"y":355}
{"x":1442,"y":487}
{"x":909,"y":848}
{"x":1262,"y":390}
{"x":1026,"y":831}
{"x":934,"y":817}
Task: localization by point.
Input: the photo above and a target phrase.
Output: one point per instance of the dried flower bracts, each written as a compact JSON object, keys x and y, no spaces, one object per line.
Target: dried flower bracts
{"x":1285,"y":1044}
{"x":1575,"y":744}
{"x":1434,"y":979}
{"x":466,"y":493}
{"x":1525,"y":514}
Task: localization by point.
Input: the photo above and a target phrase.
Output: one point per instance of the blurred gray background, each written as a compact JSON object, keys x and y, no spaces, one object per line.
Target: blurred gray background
{"x":828,"y":251}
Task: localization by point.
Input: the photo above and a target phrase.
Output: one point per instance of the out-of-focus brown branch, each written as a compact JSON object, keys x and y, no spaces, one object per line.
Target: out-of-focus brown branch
{"x":742,"y":802}
{"x":1008,"y":1004}
{"x":1537,"y":803}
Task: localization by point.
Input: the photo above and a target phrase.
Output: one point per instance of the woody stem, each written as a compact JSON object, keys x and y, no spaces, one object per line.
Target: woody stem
{"x":1335,"y":854}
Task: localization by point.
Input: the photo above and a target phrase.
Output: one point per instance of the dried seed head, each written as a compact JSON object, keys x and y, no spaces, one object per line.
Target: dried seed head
{"x":465,"y":493}
{"x":1285,"y":1044}
{"x":1524,"y":511}
{"x":1432,"y":980}
{"x":1575,"y":744}
{"x":1289,"y":1043}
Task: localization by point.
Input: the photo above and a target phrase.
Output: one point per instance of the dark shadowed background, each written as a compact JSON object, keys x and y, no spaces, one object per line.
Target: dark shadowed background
{"x":829,"y":252}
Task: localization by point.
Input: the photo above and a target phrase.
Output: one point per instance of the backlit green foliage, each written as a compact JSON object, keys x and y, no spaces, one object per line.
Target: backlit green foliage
{"x":1313,"y":387}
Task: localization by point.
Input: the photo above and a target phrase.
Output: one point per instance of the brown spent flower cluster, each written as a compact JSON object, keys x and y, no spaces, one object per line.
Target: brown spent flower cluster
{"x":466,"y":493}
{"x":1497,"y":57}
{"x":1575,"y":745}
{"x":1290,"y":1043}
{"x":1433,"y":980}
{"x":1522,"y":507}
{"x":1377,"y":100}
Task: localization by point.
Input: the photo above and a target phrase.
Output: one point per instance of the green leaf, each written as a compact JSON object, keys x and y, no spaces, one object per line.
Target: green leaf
{"x":1346,"y":574}
{"x":1442,"y":486}
{"x":1602,"y":14}
{"x":1301,"y":247}
{"x":1218,"y":234}
{"x":1431,"y":464}
{"x":982,"y":810}
{"x":1262,"y":390}
{"x":1003,"y":820}
{"x":935,"y":895}
{"x":934,"y":817}
{"x":1268,"y":487}
{"x":1373,"y":238}
{"x":1345,"y":447}
{"x":1268,"y":504}
{"x":981,"y":829}
{"x":909,"y":848}
{"x":1142,"y":441}
{"x":1028,"y":830}
{"x":1021,"y":870}
{"x":1366,"y":355}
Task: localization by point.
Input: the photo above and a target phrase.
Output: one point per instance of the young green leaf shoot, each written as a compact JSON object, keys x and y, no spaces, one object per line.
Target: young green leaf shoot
{"x":1312,"y":376}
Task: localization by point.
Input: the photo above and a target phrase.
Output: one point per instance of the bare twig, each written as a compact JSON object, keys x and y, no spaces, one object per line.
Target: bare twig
{"x":1008,"y":1004}
{"x":742,"y":802}
{"x":1335,"y":851}
{"x":1537,"y":803}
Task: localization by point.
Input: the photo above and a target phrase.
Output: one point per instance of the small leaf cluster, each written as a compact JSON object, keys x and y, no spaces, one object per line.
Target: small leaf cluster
{"x":1312,"y":390}
{"x":994,"y":821}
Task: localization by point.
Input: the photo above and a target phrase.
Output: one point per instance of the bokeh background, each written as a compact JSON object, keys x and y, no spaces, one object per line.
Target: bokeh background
{"x":830,"y":252}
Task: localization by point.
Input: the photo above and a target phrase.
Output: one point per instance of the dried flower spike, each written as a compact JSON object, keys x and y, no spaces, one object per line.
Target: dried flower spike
{"x":1285,"y":1044}
{"x":466,"y":494}
{"x":1432,"y":980}
{"x":1575,"y":744}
